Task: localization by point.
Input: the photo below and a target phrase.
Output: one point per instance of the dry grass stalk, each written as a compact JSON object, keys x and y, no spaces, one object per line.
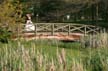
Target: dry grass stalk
{"x":52,"y":66}
{"x":61,"y":59}
{"x":26,"y":60}
{"x":39,"y":59}
{"x":95,"y":40}
{"x":77,"y":66}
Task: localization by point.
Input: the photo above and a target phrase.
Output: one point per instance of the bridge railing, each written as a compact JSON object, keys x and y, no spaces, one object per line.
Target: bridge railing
{"x":54,"y":28}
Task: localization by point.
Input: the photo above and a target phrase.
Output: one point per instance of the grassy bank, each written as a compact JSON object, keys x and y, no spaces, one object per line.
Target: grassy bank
{"x":48,"y":55}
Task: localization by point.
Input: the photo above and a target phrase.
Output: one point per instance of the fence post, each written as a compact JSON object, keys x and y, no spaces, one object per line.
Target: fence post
{"x":85,"y":30}
{"x":52,"y":29}
{"x":68,"y":29}
{"x":35,"y":30}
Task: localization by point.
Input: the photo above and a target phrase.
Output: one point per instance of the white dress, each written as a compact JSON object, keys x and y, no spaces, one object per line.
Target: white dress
{"x":29,"y":26}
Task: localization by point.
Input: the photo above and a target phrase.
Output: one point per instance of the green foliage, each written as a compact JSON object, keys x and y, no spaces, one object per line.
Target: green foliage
{"x":10,"y":17}
{"x":43,"y":55}
{"x":10,"y":13}
{"x":4,"y":35}
{"x":56,"y":10}
{"x":96,"y":59}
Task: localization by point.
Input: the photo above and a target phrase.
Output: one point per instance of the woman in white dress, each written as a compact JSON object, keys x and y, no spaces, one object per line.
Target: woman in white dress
{"x":29,"y":24}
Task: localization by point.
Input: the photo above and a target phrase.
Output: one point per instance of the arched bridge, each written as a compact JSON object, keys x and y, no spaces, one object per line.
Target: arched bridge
{"x":60,"y":31}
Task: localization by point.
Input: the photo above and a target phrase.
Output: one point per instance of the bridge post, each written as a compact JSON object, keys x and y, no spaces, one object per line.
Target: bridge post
{"x":35,"y":29}
{"x":52,"y":29}
{"x":85,"y":30}
{"x":68,"y":29}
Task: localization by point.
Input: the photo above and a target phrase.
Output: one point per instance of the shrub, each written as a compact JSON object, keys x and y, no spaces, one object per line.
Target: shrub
{"x":4,"y":35}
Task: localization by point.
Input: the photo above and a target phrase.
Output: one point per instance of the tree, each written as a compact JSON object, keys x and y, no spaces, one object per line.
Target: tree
{"x":10,"y":13}
{"x":55,"y":10}
{"x":10,"y":17}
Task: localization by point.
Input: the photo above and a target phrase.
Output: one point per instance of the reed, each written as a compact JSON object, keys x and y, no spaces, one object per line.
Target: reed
{"x":95,"y":40}
{"x":51,"y":56}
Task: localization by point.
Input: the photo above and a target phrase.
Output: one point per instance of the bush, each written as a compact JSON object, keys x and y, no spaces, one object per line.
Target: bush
{"x":4,"y":35}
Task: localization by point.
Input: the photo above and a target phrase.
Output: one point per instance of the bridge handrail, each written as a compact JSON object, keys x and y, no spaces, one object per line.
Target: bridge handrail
{"x":64,"y":27}
{"x":62,"y":23}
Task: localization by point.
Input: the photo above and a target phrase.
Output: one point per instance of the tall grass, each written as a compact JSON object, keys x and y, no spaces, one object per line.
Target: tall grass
{"x":95,"y":40}
{"x":48,"y":55}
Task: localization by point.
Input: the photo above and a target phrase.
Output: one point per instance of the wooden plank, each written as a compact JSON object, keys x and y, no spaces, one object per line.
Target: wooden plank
{"x":61,"y":27}
{"x":77,"y":28}
{"x":93,"y":30}
{"x":44,"y":27}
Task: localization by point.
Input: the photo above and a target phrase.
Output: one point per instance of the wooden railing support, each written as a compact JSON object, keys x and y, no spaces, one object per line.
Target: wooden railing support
{"x":35,"y":29}
{"x":52,"y":28}
{"x":68,"y":29}
{"x":85,"y":30}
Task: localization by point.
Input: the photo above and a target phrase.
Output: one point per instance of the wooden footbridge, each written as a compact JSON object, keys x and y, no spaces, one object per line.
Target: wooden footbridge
{"x":60,"y":31}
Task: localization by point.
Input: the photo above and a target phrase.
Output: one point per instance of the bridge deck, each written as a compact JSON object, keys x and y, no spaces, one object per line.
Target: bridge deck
{"x":73,"y":37}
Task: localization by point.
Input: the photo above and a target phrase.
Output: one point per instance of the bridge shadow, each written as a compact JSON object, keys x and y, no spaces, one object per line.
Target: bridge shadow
{"x":67,"y":44}
{"x":68,"y":41}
